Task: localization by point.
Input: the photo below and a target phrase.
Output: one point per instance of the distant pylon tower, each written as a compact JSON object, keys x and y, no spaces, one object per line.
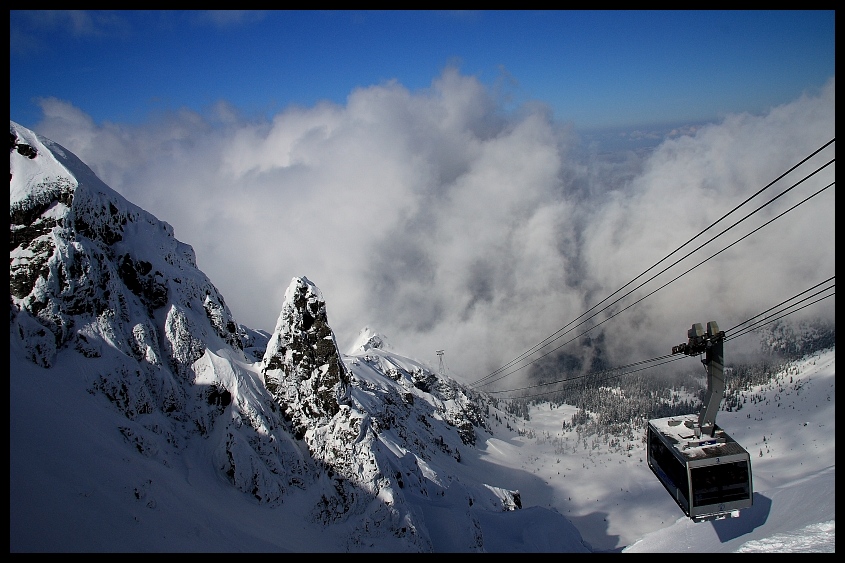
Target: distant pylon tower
{"x":442,"y":368}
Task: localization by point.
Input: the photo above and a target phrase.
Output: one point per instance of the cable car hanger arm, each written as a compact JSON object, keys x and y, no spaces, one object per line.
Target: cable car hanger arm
{"x":711,"y":344}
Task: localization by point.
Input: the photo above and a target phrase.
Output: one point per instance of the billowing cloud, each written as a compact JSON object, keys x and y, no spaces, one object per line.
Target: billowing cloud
{"x":445,"y":222}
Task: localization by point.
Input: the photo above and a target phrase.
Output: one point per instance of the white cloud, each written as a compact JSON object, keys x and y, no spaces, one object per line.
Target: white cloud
{"x":446,"y":223}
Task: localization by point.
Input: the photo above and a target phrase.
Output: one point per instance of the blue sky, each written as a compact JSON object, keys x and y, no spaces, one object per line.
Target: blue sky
{"x":596,"y":69}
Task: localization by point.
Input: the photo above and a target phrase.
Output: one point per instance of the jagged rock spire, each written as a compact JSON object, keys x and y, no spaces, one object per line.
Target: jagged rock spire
{"x":302,"y":366}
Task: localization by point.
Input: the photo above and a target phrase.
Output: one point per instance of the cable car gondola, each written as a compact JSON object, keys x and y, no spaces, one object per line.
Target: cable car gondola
{"x":705,"y":470}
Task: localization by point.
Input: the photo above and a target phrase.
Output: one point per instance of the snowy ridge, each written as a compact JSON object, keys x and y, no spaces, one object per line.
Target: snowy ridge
{"x":368,"y":338}
{"x":93,"y":273}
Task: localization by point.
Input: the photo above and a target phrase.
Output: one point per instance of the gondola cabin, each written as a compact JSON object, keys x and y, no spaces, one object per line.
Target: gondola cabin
{"x":708,"y":476}
{"x":706,"y":471}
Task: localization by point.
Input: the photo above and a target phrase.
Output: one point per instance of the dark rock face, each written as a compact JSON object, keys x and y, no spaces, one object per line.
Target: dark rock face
{"x":302,"y":366}
{"x":143,"y":282}
{"x":222,"y":322}
{"x":23,"y":149}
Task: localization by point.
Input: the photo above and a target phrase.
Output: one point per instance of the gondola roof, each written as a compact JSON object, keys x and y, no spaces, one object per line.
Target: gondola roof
{"x":678,"y":431}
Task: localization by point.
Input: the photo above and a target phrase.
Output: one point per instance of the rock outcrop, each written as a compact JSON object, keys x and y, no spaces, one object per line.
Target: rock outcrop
{"x":302,"y":366}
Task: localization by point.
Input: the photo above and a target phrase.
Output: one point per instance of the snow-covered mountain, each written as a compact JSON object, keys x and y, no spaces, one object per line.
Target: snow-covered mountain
{"x":144,"y":417}
{"x":103,"y":297}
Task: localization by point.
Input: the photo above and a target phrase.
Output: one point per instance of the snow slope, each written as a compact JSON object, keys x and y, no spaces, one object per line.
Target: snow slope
{"x":75,"y":486}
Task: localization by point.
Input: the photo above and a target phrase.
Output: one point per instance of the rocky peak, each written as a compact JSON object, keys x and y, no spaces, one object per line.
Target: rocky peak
{"x":302,"y":366}
{"x":91,"y":273}
{"x":368,"y":339}
{"x":84,"y":259}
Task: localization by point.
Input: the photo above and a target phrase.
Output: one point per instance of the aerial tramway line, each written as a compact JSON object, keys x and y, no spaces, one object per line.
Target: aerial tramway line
{"x":706,"y":472}
{"x":513,"y":366}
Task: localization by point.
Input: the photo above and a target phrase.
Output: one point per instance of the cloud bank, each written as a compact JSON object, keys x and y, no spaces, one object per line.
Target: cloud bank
{"x":447,"y":223}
